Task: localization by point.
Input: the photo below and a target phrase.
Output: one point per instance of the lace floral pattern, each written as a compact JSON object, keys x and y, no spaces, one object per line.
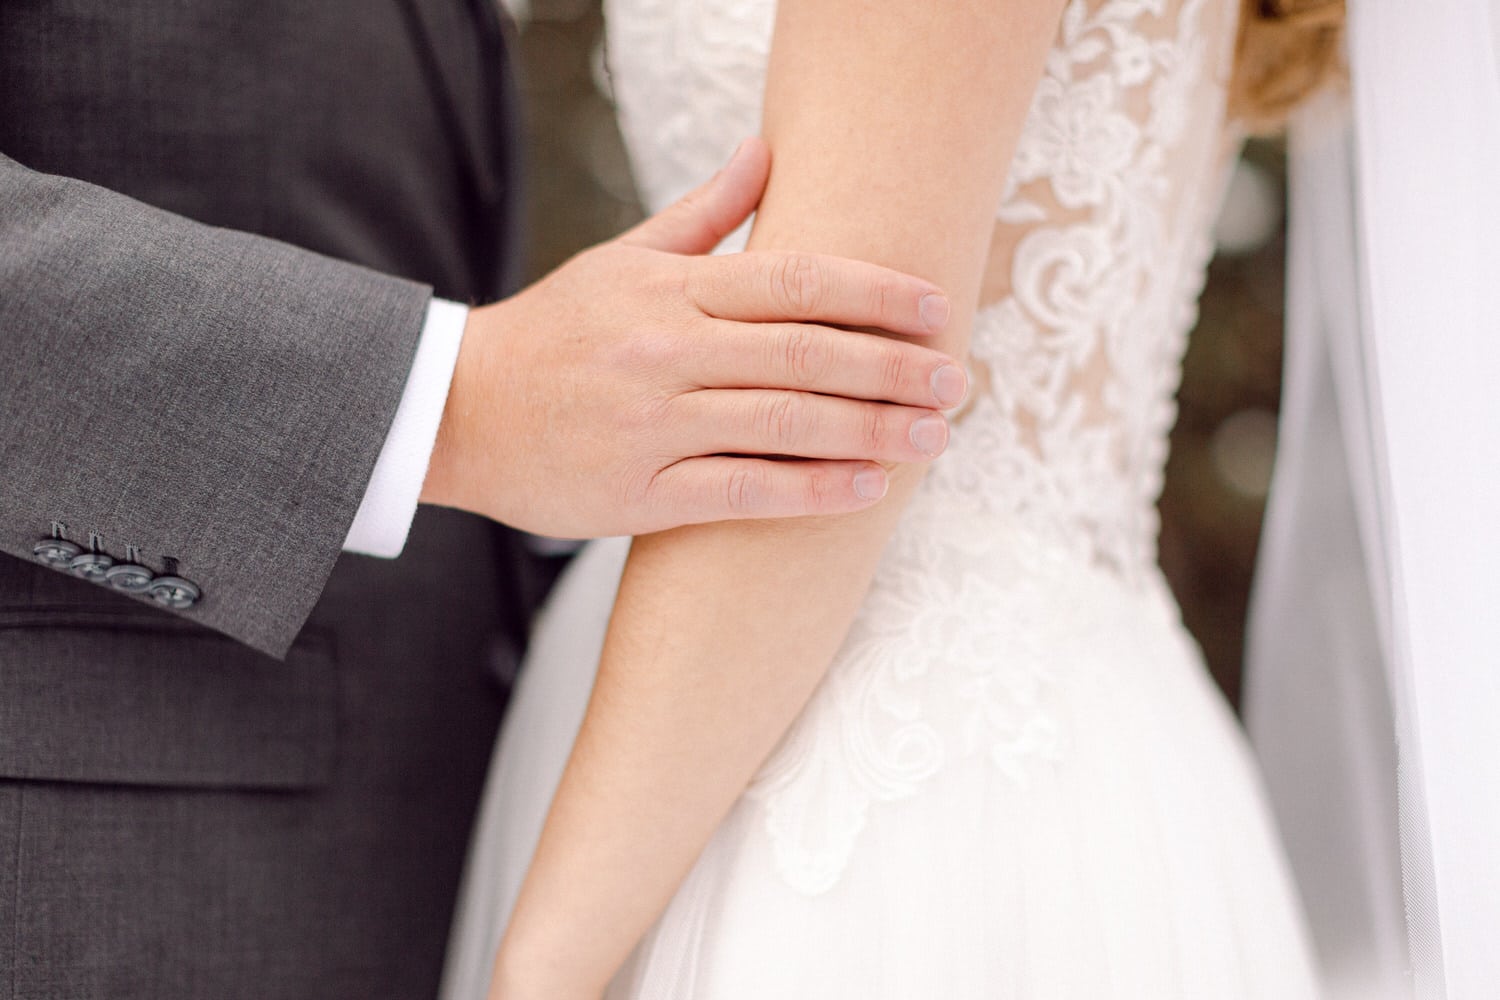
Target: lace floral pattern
{"x":1031,"y":548}
{"x":1107,"y":202}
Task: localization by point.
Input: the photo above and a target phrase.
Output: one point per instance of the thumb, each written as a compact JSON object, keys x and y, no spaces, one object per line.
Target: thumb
{"x":696,"y":223}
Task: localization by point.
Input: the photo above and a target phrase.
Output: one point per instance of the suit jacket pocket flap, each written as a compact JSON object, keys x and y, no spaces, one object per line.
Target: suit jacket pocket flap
{"x":150,"y":701}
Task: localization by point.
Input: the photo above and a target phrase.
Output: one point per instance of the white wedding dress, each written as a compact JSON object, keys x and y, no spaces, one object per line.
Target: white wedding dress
{"x":1016,"y":779}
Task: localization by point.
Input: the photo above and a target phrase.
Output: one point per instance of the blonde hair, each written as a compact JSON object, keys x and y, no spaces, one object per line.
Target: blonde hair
{"x":1286,"y":50}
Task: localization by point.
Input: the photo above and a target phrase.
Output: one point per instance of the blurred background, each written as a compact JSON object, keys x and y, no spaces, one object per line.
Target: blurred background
{"x":581,"y":192}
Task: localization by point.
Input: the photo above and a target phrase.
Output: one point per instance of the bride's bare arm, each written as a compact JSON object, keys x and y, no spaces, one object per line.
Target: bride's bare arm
{"x":891,"y":126}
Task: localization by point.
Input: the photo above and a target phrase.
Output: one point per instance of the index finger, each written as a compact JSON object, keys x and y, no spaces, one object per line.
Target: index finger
{"x":767,"y":287}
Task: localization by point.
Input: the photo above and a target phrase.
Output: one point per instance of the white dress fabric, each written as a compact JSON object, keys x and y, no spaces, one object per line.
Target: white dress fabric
{"x":1016,"y":779}
{"x":1373,"y":684}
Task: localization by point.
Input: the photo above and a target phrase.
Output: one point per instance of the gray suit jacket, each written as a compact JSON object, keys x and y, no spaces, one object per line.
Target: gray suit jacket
{"x":234,"y":762}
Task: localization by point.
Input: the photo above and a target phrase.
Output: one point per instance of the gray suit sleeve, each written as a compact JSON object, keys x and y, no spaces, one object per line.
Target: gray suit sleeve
{"x":201,"y":403}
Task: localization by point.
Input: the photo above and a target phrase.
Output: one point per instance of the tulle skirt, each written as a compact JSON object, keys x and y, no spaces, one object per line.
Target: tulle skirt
{"x":1017,"y":781}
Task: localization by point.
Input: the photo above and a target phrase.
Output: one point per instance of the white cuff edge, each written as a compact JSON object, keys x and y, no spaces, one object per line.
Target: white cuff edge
{"x":390,"y":502}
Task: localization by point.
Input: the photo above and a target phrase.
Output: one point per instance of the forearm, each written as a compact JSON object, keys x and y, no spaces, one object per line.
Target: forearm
{"x":721,"y":632}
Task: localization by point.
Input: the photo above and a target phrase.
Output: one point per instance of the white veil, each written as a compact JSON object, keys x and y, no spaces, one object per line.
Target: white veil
{"x":1374,"y":662}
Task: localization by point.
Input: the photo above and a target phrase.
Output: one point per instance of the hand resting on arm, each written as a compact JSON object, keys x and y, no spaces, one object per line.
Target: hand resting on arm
{"x":625,"y":392}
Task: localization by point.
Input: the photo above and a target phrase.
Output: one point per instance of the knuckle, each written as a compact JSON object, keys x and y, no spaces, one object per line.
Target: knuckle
{"x":804,"y":356}
{"x":873,"y":431}
{"x":648,"y":351}
{"x":643,"y":416}
{"x":884,"y":299}
{"x":679,"y":281}
{"x":778,"y":420}
{"x":894,"y":372}
{"x":818,"y":492}
{"x":627,"y":420}
{"x":745,"y":490}
{"x":798,"y":282}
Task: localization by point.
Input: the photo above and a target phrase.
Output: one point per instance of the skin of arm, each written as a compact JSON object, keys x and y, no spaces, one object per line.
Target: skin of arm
{"x":890,"y":144}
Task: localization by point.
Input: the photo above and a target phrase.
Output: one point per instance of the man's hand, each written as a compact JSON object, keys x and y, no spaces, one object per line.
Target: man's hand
{"x":630,"y":390}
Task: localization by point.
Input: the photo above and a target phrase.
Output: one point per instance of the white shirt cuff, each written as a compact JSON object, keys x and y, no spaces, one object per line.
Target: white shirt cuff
{"x":390,"y":502}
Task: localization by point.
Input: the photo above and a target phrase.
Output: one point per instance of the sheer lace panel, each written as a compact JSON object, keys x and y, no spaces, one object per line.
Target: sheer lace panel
{"x":1094,"y":271}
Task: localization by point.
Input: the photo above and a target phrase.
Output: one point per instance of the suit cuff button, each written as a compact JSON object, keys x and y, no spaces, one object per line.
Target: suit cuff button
{"x":91,"y":566}
{"x":174,"y":592}
{"x":129,"y":577}
{"x":55,"y":552}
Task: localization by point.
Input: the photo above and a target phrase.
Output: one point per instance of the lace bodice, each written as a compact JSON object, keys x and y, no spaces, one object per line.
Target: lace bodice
{"x":1097,"y":259}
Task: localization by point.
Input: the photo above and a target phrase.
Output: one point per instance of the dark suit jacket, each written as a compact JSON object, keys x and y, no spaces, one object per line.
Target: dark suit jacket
{"x":257,"y":783}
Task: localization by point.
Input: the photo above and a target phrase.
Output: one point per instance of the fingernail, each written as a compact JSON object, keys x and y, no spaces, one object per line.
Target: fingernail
{"x":870,"y":484}
{"x":929,"y":435}
{"x":934,"y":310}
{"x":949,"y":383}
